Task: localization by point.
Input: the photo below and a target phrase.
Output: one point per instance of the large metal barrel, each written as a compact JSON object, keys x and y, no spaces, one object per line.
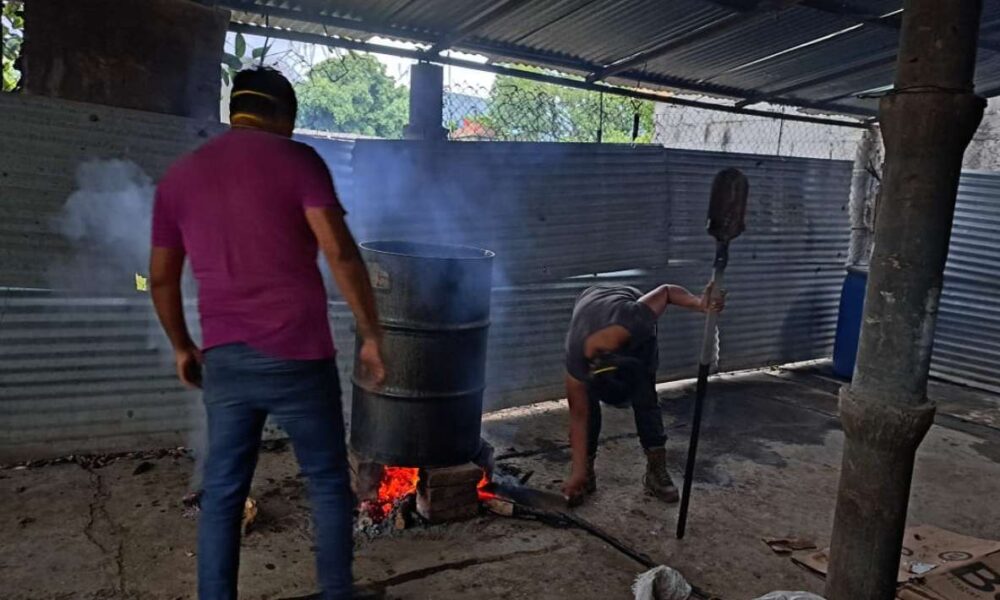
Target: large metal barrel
{"x":434,"y":305}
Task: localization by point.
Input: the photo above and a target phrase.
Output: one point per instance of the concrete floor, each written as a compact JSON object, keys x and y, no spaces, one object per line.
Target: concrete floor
{"x":770,"y":457}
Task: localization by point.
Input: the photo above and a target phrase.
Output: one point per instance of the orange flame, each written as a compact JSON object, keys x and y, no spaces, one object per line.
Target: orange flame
{"x":483,"y":494}
{"x":397,"y":483}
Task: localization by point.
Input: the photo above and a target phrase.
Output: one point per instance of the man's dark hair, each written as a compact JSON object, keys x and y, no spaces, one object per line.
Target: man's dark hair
{"x":263,"y":92}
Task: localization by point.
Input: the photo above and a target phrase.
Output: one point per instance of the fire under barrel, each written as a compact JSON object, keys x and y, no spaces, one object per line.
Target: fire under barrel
{"x":434,"y":305}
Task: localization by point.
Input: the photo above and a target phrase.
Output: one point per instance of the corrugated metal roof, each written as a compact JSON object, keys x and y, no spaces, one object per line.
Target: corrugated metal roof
{"x":730,"y":47}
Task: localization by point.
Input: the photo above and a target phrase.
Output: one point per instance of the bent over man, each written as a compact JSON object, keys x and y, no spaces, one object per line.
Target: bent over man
{"x":612,"y":357}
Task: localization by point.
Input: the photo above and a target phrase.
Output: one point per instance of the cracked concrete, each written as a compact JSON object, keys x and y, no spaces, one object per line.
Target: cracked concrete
{"x":100,"y":525}
{"x":768,"y":467}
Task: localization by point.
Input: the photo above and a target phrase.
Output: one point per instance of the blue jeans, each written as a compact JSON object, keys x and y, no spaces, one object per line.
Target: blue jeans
{"x":646,"y":411}
{"x":241,"y":388}
{"x":644,"y":401}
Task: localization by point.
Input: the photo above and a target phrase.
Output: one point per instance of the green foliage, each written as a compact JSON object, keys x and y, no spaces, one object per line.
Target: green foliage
{"x":521,"y":109}
{"x":352,"y":94}
{"x":237,"y":60}
{"x":241,"y":45}
{"x":260,"y":53}
{"x":13,"y":33}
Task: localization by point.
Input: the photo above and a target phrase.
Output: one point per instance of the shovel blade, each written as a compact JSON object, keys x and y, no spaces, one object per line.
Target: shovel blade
{"x":526,"y":496}
{"x":728,"y":205}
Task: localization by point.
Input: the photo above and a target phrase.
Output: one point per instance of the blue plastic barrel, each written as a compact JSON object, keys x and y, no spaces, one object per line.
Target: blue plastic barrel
{"x":852,"y":303}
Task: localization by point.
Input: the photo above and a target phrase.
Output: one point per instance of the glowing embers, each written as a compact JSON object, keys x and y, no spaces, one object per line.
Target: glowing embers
{"x":397,"y":483}
{"x":400,"y":497}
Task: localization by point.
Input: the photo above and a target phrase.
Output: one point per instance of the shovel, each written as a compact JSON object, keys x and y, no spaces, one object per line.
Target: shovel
{"x":726,"y":211}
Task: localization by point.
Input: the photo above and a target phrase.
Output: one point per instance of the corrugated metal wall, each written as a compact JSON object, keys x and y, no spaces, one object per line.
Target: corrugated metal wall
{"x":81,"y":368}
{"x":562,"y":217}
{"x":967,"y":339}
{"x":44,"y":142}
{"x":86,"y":371}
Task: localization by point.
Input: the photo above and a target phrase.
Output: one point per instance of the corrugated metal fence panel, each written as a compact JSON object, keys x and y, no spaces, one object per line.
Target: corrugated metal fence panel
{"x":338,"y":155}
{"x":81,"y":373}
{"x":785,"y":271}
{"x":84,"y":372}
{"x":547,"y":210}
{"x":967,"y":338}
{"x":553,"y":211}
{"x":797,"y":211}
{"x":44,"y":142}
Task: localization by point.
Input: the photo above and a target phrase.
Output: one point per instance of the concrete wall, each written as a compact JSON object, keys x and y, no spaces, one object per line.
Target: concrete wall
{"x":983,"y":153}
{"x":689,"y":128}
{"x":156,"y":55}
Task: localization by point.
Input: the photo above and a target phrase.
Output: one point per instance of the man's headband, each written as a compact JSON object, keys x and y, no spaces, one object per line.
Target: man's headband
{"x":255,"y":93}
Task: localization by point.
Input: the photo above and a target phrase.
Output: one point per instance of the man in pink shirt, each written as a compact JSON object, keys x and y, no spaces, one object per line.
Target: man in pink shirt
{"x":251,"y":209}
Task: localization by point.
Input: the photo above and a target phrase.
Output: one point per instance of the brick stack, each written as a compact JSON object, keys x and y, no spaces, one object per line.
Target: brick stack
{"x":449,"y":493}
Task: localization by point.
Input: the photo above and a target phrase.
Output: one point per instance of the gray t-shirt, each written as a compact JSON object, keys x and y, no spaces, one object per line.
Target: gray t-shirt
{"x":599,"y":307}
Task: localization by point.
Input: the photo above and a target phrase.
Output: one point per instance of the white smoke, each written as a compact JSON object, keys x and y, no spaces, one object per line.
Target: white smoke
{"x":107,"y":222}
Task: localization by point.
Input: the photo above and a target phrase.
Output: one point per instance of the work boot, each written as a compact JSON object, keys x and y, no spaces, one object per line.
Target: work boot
{"x":591,"y":486}
{"x":656,"y":480}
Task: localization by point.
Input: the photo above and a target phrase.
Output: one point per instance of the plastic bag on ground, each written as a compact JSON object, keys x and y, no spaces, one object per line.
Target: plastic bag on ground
{"x":661,"y":583}
{"x":790,"y":596}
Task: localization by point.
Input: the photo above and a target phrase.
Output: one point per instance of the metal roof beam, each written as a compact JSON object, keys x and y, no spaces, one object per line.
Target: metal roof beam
{"x":723,"y":91}
{"x":541,"y":59}
{"x":857,"y":94}
{"x":661,"y":80}
{"x":989,"y":92}
{"x":861,"y":14}
{"x":705,"y":31}
{"x":855,"y":12}
{"x":820,"y":40}
{"x":531,"y":75}
{"x":746,"y":15}
{"x":828,"y":107}
{"x":475,"y":23}
{"x":362,"y":27}
{"x":820,"y":80}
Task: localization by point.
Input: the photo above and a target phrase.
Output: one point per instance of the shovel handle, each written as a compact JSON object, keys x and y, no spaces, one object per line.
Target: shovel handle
{"x":708,"y":341}
{"x":709,"y":349}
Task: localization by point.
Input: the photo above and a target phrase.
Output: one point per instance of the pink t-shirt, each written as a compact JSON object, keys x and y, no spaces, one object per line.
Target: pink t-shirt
{"x":237,"y":207}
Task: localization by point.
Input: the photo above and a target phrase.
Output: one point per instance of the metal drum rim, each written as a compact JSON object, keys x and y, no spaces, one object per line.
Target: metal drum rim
{"x":416,"y":395}
{"x":481,"y":253}
{"x":388,"y":458}
{"x":406,"y":325}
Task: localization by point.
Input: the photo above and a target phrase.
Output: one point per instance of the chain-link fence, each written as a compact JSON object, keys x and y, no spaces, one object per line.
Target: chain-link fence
{"x":522,"y":110}
{"x":352,"y":93}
